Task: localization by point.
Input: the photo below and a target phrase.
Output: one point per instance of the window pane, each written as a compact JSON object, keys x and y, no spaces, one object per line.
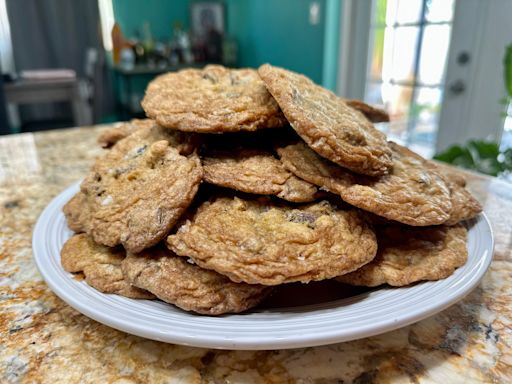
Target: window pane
{"x":397,"y":99}
{"x":396,"y":130}
{"x":439,"y":10}
{"x":425,"y":113}
{"x":428,"y":102}
{"x":399,"y":53}
{"x":377,"y":54}
{"x":434,"y":50}
{"x":374,"y":93}
{"x":392,"y":6}
{"x":403,"y":11}
{"x":424,"y":131}
{"x":379,"y":16}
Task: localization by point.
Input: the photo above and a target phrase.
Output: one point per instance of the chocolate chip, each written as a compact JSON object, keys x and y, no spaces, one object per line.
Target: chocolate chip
{"x":141,"y":150}
{"x":296,"y":95}
{"x":207,"y":76}
{"x":301,"y":217}
{"x":234,"y":79}
{"x":355,"y":139}
{"x":11,"y":204}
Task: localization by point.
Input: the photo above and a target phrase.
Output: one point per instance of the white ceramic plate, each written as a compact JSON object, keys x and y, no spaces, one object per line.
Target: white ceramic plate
{"x":363,"y":315}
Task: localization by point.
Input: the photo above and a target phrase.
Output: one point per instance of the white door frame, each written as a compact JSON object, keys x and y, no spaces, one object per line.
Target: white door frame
{"x":356,"y":18}
{"x":471,"y":106}
{"x":480,"y":28}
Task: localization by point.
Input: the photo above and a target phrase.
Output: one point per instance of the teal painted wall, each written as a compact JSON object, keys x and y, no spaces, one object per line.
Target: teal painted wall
{"x":331,"y":44}
{"x":278,"y":32}
{"x":131,"y":15}
{"x":273,"y":31}
{"x":161,"y":14}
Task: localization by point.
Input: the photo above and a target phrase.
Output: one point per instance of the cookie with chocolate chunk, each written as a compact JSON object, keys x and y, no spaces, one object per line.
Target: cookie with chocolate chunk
{"x":184,"y":142}
{"x":327,"y":124}
{"x":255,"y":171}
{"x":464,"y":205}
{"x":177,"y":281}
{"x":407,"y":255}
{"x":119,"y":131}
{"x":138,"y":190}
{"x":412,"y":193}
{"x":374,"y":114}
{"x":263,"y":242}
{"x":101,"y":266}
{"x":77,"y":212}
{"x":212,"y":99}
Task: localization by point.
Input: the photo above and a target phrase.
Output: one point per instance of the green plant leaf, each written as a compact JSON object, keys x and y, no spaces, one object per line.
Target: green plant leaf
{"x":507,"y":65}
{"x":486,"y":149}
{"x":458,"y":156}
{"x":507,"y":159}
{"x":449,"y":154}
{"x":482,"y":156}
{"x":485,"y":155}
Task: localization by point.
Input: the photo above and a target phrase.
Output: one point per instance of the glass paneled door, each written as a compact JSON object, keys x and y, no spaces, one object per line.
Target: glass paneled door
{"x":407,"y":62}
{"x":436,"y":65}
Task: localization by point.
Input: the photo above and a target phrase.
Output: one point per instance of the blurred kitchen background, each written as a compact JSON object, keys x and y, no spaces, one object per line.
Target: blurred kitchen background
{"x":440,"y":67}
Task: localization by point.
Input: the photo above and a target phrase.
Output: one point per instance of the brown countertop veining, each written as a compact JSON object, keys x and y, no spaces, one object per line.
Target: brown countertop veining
{"x":43,"y":340}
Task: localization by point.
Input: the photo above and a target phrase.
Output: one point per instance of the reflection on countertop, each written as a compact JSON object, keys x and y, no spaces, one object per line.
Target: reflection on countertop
{"x":45,"y":340}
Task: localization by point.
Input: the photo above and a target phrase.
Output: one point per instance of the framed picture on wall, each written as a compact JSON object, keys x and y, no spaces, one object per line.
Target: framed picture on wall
{"x":207,"y":16}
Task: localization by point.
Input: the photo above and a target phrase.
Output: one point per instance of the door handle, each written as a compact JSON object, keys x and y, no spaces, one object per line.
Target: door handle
{"x":457,"y":87}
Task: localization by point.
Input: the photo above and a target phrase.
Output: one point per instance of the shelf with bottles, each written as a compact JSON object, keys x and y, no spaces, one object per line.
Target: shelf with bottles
{"x":143,"y":54}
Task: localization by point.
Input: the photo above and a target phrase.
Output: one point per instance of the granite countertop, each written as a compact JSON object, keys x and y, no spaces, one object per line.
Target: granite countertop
{"x":43,"y":340}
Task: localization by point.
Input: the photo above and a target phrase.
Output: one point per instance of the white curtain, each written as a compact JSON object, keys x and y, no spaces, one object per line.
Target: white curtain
{"x":7,"y":59}
{"x":107,"y":22}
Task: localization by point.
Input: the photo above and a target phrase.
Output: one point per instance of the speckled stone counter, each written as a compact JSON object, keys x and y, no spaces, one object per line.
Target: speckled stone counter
{"x":43,"y":340}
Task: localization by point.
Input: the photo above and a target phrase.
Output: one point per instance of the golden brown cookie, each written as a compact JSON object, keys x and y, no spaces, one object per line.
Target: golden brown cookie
{"x":212,"y":99}
{"x":327,"y":124}
{"x":261,"y":242}
{"x":449,"y":174}
{"x":184,"y":142}
{"x":464,"y":205}
{"x":407,"y":255}
{"x":374,"y":114}
{"x":77,"y":212}
{"x":138,"y":190}
{"x":100,"y":265}
{"x":175,"y":280}
{"x":255,"y":171}
{"x":113,"y":134}
{"x":411,"y":193}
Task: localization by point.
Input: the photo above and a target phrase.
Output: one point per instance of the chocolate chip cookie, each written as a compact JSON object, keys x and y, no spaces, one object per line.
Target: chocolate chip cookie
{"x":138,"y":190}
{"x":255,"y":171}
{"x":407,"y":255}
{"x":262,"y":242}
{"x":327,"y":124}
{"x":412,"y":193}
{"x":101,"y":266}
{"x":178,"y":281}
{"x":212,"y":99}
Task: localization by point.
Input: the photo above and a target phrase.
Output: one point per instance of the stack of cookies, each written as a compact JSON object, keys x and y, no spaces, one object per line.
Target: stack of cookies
{"x":243,"y":180}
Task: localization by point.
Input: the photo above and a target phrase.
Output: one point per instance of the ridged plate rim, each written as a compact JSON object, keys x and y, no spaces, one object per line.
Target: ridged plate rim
{"x":360,"y":316}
